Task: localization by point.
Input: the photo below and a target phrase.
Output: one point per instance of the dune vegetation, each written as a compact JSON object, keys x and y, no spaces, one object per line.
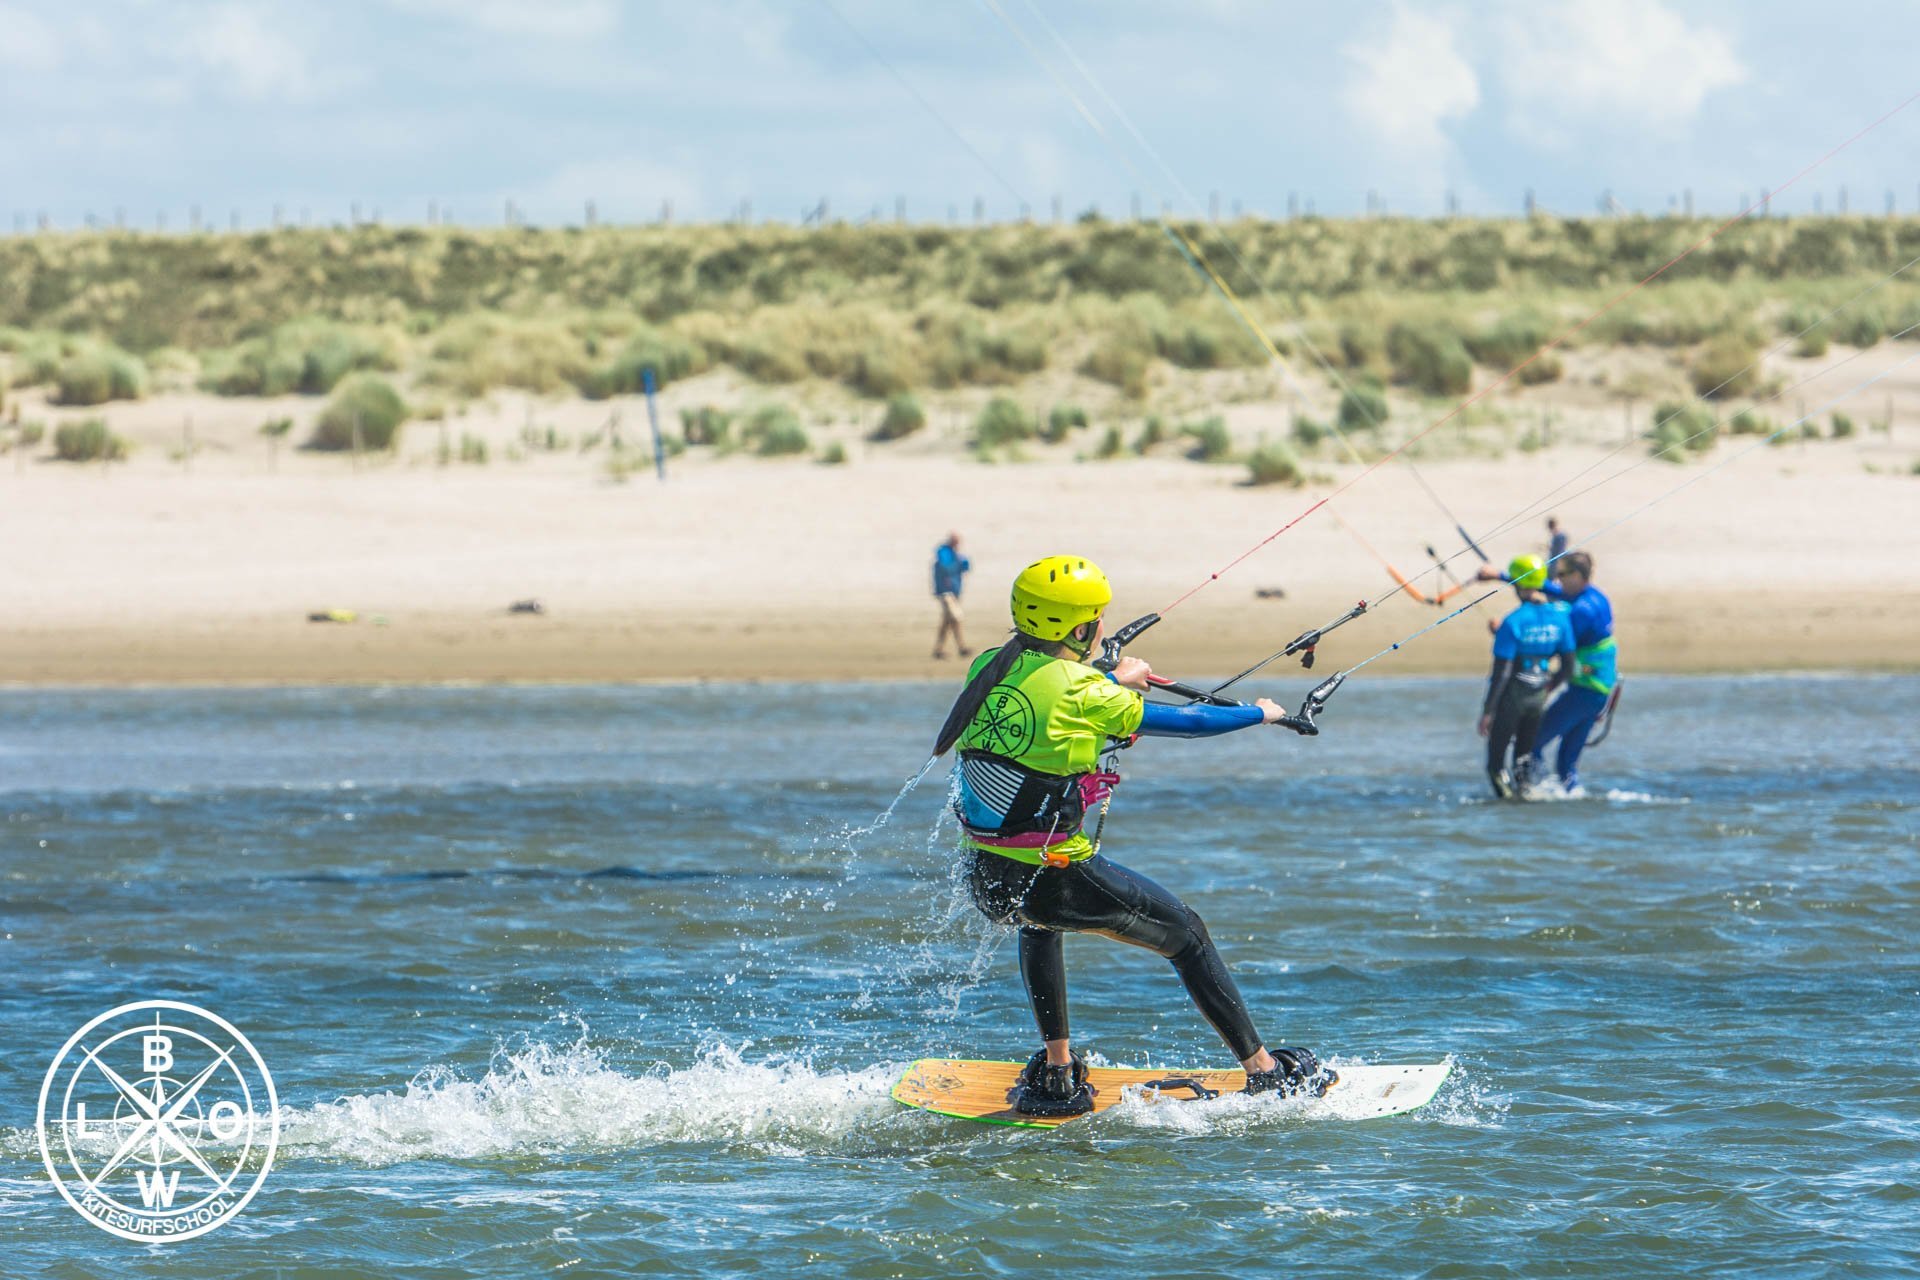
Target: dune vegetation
{"x":895,"y":313}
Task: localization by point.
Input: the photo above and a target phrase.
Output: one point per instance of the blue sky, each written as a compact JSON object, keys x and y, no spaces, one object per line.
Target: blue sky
{"x":156,"y":105}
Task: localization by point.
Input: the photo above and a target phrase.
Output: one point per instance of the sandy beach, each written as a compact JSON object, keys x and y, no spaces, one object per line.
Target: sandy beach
{"x":163,"y":570}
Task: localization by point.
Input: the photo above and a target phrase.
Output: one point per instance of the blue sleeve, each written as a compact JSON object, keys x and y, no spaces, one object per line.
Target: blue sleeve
{"x":1552,"y":590}
{"x":1598,"y":614}
{"x":1506,"y":641}
{"x":1196,"y":720}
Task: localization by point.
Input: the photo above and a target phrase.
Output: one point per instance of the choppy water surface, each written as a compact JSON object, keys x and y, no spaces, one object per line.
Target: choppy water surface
{"x":603,"y":980}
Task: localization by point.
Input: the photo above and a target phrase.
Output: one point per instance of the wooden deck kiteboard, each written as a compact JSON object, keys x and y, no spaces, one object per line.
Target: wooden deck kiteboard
{"x":970,"y":1089}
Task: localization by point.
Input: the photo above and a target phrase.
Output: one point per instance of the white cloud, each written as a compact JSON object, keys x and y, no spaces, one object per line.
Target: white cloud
{"x":547,"y":19}
{"x":1572,"y":67}
{"x":247,"y":56}
{"x":1408,"y":86}
{"x":26,"y":43}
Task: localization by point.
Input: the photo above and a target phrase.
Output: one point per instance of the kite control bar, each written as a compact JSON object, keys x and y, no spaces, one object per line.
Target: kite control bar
{"x":1301,"y":722}
{"x":1190,"y":693}
{"x":1111,"y":647}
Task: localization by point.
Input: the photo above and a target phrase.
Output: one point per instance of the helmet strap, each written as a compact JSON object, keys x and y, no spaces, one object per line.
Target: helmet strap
{"x":1081,"y":650}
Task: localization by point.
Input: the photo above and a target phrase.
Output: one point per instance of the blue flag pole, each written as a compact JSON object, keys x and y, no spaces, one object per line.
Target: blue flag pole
{"x":653,"y":420}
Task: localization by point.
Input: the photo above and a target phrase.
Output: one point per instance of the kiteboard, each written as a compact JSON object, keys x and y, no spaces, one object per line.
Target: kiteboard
{"x":970,"y":1089}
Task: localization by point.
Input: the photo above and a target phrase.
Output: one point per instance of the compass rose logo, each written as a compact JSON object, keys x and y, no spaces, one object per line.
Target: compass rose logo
{"x":1004,"y":723}
{"x":158,"y":1121}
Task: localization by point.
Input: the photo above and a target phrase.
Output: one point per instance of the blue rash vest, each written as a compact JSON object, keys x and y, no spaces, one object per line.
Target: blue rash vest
{"x":1530,"y":636}
{"x":1596,"y":660}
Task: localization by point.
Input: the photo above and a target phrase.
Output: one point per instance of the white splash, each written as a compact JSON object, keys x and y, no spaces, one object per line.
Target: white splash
{"x":1642,"y":797}
{"x":546,"y":1100}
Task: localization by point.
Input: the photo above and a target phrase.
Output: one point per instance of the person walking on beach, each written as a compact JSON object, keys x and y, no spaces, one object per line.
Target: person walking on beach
{"x":1031,"y":725}
{"x":1524,"y":675}
{"x":949,"y":568}
{"x":1556,"y":541}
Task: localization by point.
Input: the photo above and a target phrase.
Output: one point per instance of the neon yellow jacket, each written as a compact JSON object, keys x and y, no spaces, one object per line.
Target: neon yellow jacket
{"x":1051,"y":716}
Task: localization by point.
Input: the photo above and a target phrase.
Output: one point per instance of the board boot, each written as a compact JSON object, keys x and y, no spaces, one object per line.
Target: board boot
{"x":1296,"y":1072}
{"x":1048,"y":1090}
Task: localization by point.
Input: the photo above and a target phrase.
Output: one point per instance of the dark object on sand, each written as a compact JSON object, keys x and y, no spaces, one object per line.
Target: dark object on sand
{"x":333,"y":615}
{"x":1270,"y":593}
{"x":526,"y":606}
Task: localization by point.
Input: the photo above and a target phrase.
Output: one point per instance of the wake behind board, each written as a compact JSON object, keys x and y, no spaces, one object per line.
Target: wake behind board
{"x":970,"y":1089}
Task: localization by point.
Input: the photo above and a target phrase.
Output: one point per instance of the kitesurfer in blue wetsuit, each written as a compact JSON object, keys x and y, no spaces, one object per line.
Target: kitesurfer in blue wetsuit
{"x":1524,"y":674}
{"x":1032,"y":724}
{"x":1596,"y":668}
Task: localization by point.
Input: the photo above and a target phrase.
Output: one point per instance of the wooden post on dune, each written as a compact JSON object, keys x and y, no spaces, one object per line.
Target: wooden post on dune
{"x":648,"y":385}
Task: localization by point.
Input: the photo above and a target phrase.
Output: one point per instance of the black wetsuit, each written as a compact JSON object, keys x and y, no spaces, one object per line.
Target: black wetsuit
{"x":1096,"y":895}
{"x":1516,"y":712}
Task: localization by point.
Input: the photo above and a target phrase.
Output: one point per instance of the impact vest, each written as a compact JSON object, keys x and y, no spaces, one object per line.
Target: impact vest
{"x":1029,"y":758}
{"x":1596,"y":666}
{"x":1596,"y":662}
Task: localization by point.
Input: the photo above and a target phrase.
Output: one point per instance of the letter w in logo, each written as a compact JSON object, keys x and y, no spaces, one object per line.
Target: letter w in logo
{"x":158,"y":1191}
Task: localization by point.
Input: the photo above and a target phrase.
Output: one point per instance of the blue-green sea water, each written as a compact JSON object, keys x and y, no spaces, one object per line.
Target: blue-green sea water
{"x":614,"y":982}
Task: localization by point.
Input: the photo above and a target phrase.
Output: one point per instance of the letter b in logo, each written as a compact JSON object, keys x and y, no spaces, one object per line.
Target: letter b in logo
{"x":158,"y":1051}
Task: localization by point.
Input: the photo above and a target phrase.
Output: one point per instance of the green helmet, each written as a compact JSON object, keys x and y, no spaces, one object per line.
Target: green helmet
{"x":1528,"y":573}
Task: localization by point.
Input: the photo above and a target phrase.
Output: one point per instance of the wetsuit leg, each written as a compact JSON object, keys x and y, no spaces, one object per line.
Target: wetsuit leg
{"x":1100,"y":896}
{"x":1566,"y":761}
{"x":1569,"y":720}
{"x":997,"y":886}
{"x":1506,"y":715}
{"x":1043,"y":967}
{"x":1526,"y":721}
{"x":1516,"y":722}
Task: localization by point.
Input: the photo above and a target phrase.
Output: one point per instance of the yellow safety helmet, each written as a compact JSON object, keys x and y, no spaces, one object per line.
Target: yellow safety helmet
{"x":1529,"y":573}
{"x":1053,"y":596}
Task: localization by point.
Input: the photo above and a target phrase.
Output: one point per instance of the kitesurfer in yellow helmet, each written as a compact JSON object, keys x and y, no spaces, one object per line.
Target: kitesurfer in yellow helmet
{"x":1031,"y":725}
{"x":1524,"y":675}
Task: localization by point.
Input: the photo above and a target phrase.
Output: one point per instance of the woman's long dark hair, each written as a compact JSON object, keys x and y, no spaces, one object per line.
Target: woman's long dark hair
{"x":980,"y":686}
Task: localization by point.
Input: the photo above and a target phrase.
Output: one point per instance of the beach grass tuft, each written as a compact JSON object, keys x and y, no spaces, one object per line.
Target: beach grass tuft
{"x":1002,"y":422}
{"x":1273,"y":464}
{"x":903,"y":417}
{"x":364,"y":413}
{"x":88,"y":440}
